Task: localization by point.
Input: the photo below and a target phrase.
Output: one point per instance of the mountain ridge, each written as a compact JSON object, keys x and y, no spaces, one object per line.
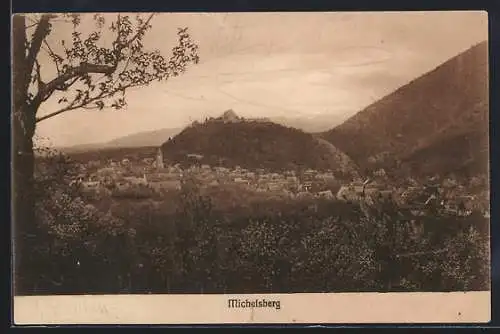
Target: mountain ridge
{"x":134,"y":140}
{"x":156,"y":137}
{"x":450,"y":101}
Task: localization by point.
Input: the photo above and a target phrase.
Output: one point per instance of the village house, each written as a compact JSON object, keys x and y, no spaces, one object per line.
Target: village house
{"x":325,"y":194}
{"x":207,"y":176}
{"x":348,"y":193}
{"x":306,"y":186}
{"x":221,"y":170}
{"x":122,"y":185}
{"x":106,"y":171}
{"x":461,"y":205}
{"x":275,"y":176}
{"x":154,"y":177}
{"x":309,"y":174}
{"x":386,"y":195}
{"x":133,"y":180}
{"x":273,"y":186}
{"x":304,"y":195}
{"x":234,"y":174}
{"x":250,"y":175}
{"x":240,"y":180}
{"x":370,"y":190}
{"x":410,"y":194}
{"x":325,"y":177}
{"x":380,"y":173}
{"x":194,"y":156}
{"x":194,"y":169}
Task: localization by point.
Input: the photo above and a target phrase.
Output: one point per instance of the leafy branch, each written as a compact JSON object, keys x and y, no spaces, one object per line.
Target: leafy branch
{"x":125,"y":64}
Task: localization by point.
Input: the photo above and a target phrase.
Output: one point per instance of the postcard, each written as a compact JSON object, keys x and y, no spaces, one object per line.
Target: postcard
{"x":258,"y":168}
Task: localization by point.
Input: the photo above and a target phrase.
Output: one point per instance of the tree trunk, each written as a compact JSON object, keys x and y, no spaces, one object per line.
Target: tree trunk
{"x":24,"y":205}
{"x":23,"y":129}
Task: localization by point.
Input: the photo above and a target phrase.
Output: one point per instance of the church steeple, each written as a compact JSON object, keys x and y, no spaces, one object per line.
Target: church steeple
{"x":159,"y":159}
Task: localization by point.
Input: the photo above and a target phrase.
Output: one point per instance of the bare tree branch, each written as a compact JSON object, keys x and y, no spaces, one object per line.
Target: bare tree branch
{"x":85,"y":57}
{"x":32,"y":25}
{"x":53,"y":55}
{"x":73,"y":72}
{"x":86,"y":102}
{"x":65,"y":86}
{"x":84,"y":68}
{"x":55,"y":113}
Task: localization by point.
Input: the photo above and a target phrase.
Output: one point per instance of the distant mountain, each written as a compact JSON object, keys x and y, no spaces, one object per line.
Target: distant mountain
{"x":157,"y":137}
{"x":235,"y":141}
{"x":312,"y":124}
{"x":81,"y":148}
{"x":112,"y":153}
{"x":437,"y":123}
{"x":141,"y":139}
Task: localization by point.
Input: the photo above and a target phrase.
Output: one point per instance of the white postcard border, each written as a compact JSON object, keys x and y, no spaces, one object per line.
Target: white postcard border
{"x":420,"y":307}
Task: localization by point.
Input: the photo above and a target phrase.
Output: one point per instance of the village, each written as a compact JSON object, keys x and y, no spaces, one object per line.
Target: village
{"x":152,"y":176}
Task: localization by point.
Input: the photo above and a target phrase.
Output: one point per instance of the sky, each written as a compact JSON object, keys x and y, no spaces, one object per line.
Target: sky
{"x":274,"y":65}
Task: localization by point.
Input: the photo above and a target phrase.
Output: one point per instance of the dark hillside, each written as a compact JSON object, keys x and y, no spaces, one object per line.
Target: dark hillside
{"x":432,"y":124}
{"x":251,"y":144}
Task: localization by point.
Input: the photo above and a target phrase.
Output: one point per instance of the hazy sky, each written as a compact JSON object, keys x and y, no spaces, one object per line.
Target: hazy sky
{"x":277,"y":64}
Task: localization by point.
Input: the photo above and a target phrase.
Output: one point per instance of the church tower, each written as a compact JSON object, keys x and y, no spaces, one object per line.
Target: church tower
{"x":159,"y":159}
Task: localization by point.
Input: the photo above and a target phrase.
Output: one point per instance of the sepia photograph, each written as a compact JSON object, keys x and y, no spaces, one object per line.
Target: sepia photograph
{"x":250,"y":167}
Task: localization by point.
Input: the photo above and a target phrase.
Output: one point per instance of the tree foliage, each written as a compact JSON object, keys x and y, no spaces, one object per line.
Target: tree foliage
{"x":278,"y":247}
{"x":94,"y":75}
